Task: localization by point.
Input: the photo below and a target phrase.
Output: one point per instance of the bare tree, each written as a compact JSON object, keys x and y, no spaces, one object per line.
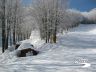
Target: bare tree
{"x":47,"y":14}
{"x":10,"y":12}
{"x":3,"y":23}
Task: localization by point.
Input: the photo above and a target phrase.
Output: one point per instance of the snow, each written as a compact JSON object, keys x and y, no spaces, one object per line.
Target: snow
{"x":91,"y":15}
{"x":86,"y":65}
{"x":73,"y":52}
{"x":93,"y":31}
{"x":24,"y":46}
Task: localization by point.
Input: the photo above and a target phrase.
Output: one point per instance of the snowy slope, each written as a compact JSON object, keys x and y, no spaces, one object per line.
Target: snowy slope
{"x":74,"y":52}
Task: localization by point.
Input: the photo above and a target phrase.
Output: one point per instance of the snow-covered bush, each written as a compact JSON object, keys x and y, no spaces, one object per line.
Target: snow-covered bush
{"x":89,"y":17}
{"x":70,"y":19}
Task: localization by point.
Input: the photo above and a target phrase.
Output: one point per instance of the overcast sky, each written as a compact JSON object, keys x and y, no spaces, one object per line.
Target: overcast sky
{"x":82,"y":5}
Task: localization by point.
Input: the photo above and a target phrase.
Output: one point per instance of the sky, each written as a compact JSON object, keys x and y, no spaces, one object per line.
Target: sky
{"x":81,"y":5}
{"x":27,"y":2}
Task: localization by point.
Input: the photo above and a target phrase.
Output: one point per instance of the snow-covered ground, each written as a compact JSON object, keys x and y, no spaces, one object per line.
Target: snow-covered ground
{"x":74,"y":52}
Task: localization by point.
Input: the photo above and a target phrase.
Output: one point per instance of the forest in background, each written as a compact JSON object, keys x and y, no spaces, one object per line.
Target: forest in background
{"x":49,"y":17}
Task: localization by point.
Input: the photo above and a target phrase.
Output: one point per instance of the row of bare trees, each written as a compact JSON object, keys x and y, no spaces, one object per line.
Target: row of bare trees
{"x":47,"y":16}
{"x":11,"y":19}
{"x":53,"y":16}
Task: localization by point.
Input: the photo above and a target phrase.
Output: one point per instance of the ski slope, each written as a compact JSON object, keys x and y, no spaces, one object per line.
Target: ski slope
{"x":73,"y":52}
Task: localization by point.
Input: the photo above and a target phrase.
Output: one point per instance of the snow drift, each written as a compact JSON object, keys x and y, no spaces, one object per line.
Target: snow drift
{"x":74,"y":52}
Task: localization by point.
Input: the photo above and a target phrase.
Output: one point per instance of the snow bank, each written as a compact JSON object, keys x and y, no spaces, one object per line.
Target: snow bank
{"x":93,"y":31}
{"x":25,"y":46}
{"x":73,"y":52}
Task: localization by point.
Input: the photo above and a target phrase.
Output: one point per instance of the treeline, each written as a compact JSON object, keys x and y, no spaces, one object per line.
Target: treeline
{"x":49,"y":17}
{"x":84,"y":17}
{"x":53,"y":17}
{"x":11,"y":20}
{"x":89,"y":17}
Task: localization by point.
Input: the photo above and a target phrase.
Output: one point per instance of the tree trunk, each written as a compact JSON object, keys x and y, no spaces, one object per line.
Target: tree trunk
{"x":10,"y":39}
{"x":6,"y":42}
{"x":14,"y":42}
{"x":3,"y":26}
{"x":54,"y":38}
